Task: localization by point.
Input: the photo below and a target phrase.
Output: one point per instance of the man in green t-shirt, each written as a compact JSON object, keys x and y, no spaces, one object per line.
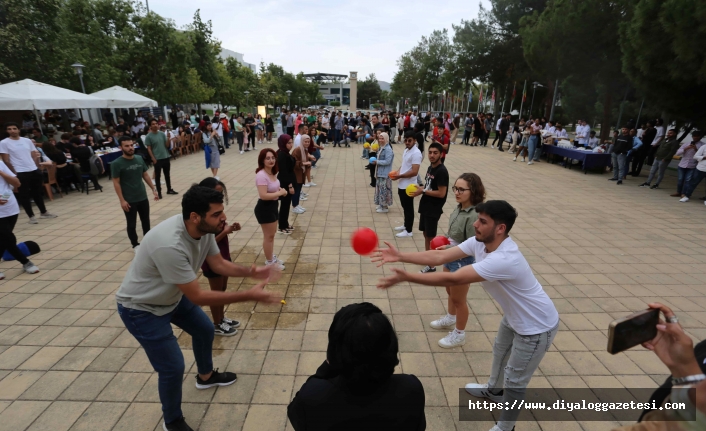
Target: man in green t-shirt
{"x":158,"y":148}
{"x":128,"y":172}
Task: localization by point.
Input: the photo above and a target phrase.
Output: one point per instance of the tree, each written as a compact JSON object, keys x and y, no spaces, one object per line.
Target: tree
{"x":33,"y":42}
{"x":205,"y":49}
{"x":665,"y":57}
{"x":422,"y":68}
{"x":368,"y":89}
{"x":592,"y":57}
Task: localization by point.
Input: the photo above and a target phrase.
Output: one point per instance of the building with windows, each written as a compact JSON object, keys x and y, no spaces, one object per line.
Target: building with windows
{"x":227,"y":53}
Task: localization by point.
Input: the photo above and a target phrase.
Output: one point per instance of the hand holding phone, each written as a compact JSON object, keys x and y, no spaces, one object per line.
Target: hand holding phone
{"x":632,"y":330}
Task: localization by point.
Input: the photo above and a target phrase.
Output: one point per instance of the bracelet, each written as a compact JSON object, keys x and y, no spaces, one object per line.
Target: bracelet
{"x":688,"y":379}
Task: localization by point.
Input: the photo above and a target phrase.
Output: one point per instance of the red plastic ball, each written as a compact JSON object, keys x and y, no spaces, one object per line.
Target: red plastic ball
{"x":364,"y":241}
{"x":438,"y":241}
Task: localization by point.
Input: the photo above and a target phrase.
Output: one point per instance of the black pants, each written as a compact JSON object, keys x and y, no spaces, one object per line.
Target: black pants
{"x":651,"y":154}
{"x":373,"y":180}
{"x":8,"y":241}
{"x":290,"y":131}
{"x":285,"y":202}
{"x":32,"y":185}
{"x":638,"y":160}
{"x":162,"y":164}
{"x":143,"y":209}
{"x":466,"y":136}
{"x":503,"y":135}
{"x":251,"y":139}
{"x":239,"y":138}
{"x":408,"y":209}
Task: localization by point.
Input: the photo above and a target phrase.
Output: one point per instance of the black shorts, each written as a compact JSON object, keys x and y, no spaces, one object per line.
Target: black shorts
{"x":428,"y":224}
{"x":266,"y":211}
{"x":477,"y":133}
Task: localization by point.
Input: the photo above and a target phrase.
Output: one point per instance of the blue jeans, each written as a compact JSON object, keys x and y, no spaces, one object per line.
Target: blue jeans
{"x":460,"y":263}
{"x":532,"y":147}
{"x":317,"y":155}
{"x":154,"y":333}
{"x":515,"y":359}
{"x":619,"y":164}
{"x":683,"y":178}
{"x":696,"y":178}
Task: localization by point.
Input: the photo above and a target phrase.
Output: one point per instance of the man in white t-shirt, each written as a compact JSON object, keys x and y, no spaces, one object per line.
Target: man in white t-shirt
{"x":413,"y":119}
{"x":303,"y":130}
{"x":530,"y":321}
{"x":8,"y":218}
{"x":19,"y":155}
{"x":411,"y":160}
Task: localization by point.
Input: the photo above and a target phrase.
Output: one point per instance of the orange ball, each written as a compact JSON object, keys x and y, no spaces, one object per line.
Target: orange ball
{"x":364,"y":241}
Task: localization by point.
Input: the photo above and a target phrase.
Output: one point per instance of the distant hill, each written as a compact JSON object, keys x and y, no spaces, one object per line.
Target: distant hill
{"x":384,"y":86}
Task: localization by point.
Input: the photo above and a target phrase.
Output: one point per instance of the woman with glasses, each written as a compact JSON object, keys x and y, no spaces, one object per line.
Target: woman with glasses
{"x":269,"y":191}
{"x":469,"y":192}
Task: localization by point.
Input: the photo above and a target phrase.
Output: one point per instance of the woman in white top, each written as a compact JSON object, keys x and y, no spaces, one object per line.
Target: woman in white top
{"x":9,"y":210}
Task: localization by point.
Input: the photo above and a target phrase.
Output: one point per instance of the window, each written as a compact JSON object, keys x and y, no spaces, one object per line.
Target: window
{"x":335,"y":91}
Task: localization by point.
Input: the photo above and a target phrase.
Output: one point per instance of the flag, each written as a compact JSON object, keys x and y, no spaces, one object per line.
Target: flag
{"x":470,"y":97}
{"x":524,"y":94}
{"x":514,"y":91}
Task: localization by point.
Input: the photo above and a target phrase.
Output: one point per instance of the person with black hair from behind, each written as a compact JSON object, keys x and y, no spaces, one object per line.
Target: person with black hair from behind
{"x":355,"y":388}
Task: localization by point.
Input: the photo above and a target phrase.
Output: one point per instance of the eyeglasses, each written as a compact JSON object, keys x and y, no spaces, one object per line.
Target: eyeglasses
{"x":459,"y":189}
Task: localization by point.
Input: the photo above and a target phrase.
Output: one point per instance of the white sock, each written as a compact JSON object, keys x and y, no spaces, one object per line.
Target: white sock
{"x":459,"y":332}
{"x":451,"y":316}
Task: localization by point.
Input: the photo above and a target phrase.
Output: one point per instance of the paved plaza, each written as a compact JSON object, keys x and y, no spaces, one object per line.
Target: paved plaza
{"x":601,"y":251}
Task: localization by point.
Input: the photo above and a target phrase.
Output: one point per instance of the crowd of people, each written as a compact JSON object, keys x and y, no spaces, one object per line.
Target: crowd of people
{"x":355,"y":386}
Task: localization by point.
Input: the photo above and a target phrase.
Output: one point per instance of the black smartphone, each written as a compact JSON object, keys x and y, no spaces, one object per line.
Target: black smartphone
{"x":632,"y":330}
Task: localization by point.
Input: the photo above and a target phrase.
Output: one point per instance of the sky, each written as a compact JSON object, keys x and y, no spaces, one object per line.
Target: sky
{"x":332,"y":36}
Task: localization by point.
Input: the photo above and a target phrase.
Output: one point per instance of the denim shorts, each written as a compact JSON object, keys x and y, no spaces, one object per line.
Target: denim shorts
{"x":458,"y":264}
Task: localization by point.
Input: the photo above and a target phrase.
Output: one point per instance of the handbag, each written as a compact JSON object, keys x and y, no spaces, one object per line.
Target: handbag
{"x":219,"y":143}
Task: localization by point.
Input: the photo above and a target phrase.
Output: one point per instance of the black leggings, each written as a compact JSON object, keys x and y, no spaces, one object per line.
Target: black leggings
{"x":32,"y":187}
{"x":162,"y":164}
{"x":8,"y":241}
{"x":143,"y":209}
{"x":285,"y":202}
{"x":407,"y":203}
{"x":239,"y":138}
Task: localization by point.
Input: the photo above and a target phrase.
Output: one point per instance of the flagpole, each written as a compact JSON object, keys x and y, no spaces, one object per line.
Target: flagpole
{"x":514,"y":86}
{"x":480,"y":98}
{"x":524,"y":89}
{"x":485,"y":98}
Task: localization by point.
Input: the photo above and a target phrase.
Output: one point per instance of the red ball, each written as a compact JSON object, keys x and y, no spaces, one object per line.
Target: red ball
{"x":438,"y":241}
{"x":364,"y":241}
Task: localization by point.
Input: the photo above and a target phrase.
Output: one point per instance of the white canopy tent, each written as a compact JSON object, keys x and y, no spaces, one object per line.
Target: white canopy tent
{"x":28,"y":95}
{"x":119,"y":97}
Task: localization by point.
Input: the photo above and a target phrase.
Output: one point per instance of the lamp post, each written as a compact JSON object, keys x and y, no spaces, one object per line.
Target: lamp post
{"x":440,"y":101}
{"x":429,"y":100}
{"x":78,"y":67}
{"x":289,"y":99}
{"x":535,"y":84}
{"x":247,"y":96}
{"x":273,"y":102}
{"x":300,"y":102}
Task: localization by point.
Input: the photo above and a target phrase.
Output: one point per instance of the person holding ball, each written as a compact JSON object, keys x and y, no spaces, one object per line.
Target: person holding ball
{"x":530,"y":321}
{"x":469,"y":192}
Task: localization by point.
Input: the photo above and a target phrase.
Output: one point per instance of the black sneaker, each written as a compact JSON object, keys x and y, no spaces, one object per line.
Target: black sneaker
{"x":612,"y":179}
{"x":645,"y":185}
{"x":656,"y":186}
{"x":232,"y":323}
{"x":172,"y":192}
{"x":224,"y":330}
{"x":427,"y":269}
{"x":159,"y":195}
{"x":619,"y":182}
{"x":216,"y":379}
{"x":177,"y":425}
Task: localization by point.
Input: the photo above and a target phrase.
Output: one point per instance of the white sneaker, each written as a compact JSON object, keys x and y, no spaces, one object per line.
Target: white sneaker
{"x":377,"y":207}
{"x":215,"y":177}
{"x":312,"y":184}
{"x":48,"y":215}
{"x":306,"y":185}
{"x":481,"y":391}
{"x":514,"y":159}
{"x":382,"y":210}
{"x":2,"y":276}
{"x":276,"y":264}
{"x":296,"y":210}
{"x":303,"y":198}
{"x":241,"y":151}
{"x":399,"y":228}
{"x":523,"y":160}
{"x":444,"y":322}
{"x":280,"y":261}
{"x":684,"y":199}
{"x":530,"y":162}
{"x":30,"y":268}
{"x":306,"y":195}
{"x":404,"y":234}
{"x":33,"y":220}
{"x":453,"y":339}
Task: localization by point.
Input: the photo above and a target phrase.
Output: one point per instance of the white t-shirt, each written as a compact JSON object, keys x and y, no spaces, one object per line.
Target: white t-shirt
{"x":10,"y":208}
{"x":509,"y":280}
{"x":658,"y":136}
{"x":497,"y":124}
{"x":410,"y":157}
{"x":412,"y":120}
{"x":297,"y":141}
{"x":20,"y":151}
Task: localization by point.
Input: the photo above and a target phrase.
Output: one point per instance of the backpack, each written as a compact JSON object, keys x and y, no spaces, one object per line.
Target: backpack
{"x":96,"y":165}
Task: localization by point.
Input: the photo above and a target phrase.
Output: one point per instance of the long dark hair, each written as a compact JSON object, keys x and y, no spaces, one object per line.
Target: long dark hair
{"x":211,"y":183}
{"x":261,"y":160}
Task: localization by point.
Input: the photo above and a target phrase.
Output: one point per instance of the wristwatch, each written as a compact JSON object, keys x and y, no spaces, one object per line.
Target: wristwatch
{"x":687,"y":380}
